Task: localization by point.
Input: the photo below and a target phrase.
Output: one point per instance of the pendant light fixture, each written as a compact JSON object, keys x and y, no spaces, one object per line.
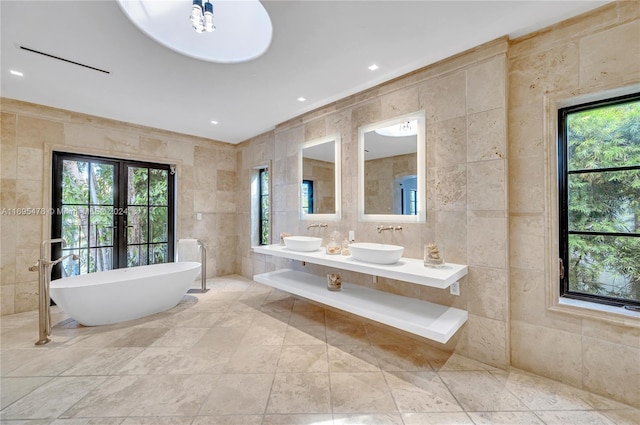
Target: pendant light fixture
{"x":202,"y":18}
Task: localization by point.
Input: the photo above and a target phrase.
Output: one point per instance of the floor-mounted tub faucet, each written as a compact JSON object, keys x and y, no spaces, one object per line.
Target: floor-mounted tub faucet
{"x":43,"y":266}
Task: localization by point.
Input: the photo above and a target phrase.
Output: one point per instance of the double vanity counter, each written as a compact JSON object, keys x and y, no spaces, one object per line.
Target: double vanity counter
{"x":429,"y":320}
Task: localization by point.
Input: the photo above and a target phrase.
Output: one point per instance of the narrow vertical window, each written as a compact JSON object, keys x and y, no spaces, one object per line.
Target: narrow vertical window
{"x":599,"y":172}
{"x":307,"y":196}
{"x":263,"y":179}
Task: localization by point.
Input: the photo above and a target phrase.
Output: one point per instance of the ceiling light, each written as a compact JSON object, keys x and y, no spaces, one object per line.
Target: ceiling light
{"x":202,"y":18}
{"x":373,"y":67}
{"x":407,"y":128}
{"x":301,"y":99}
{"x":242,"y":32}
{"x":214,"y":122}
{"x":16,"y":73}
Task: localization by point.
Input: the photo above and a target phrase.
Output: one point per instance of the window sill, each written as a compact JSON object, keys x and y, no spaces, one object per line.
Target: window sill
{"x":618,"y":315}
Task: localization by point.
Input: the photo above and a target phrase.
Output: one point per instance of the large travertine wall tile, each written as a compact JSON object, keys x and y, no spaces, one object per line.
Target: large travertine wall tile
{"x":35,"y":132}
{"x":485,"y":340}
{"x":548,"y":352}
{"x":487,"y":297}
{"x":448,"y":143}
{"x":81,"y":135}
{"x":529,"y":302}
{"x":534,"y":75}
{"x":487,"y":135}
{"x":450,"y":188}
{"x":487,"y":186}
{"x":527,"y":241}
{"x":9,"y":147}
{"x":621,"y":379}
{"x":610,"y":56}
{"x":400,"y":102}
{"x":487,"y":241}
{"x":525,"y":138}
{"x":528,"y":175}
{"x":451,"y":235}
{"x":444,"y":98}
{"x":486,"y":86}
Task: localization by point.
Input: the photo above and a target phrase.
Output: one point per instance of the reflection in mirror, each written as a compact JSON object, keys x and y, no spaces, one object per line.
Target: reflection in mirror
{"x":320,"y":178}
{"x":391,"y":170}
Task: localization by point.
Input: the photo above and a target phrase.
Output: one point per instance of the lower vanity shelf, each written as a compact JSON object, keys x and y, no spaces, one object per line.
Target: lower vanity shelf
{"x":429,"y":320}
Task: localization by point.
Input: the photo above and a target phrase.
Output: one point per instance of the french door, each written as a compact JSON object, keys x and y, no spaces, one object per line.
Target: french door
{"x":112,"y":213}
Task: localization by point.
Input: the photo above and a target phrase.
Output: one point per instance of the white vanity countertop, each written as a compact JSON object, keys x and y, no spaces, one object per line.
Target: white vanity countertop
{"x":406,"y":269}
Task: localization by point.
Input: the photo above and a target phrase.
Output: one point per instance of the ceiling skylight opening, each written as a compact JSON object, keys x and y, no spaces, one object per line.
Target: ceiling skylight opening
{"x":16,"y":73}
{"x":301,"y":99}
{"x":373,"y":67}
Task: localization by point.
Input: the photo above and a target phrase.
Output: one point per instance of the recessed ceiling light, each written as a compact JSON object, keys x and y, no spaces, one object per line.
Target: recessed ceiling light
{"x":301,"y":99}
{"x":373,"y":67}
{"x":16,"y":73}
{"x":214,"y":122}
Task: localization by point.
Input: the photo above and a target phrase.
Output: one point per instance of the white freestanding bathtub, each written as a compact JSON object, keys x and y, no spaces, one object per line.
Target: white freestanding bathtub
{"x":123,"y":294}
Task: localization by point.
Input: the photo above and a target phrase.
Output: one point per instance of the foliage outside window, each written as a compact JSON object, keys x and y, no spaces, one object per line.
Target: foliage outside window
{"x":599,"y":172}
{"x":112,"y":213}
{"x":264,"y":206}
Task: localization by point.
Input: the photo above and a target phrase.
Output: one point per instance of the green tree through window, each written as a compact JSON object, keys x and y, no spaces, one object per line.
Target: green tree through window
{"x":600,"y":200}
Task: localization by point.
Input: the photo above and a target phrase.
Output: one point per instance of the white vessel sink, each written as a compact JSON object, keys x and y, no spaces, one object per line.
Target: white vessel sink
{"x":302,"y":243}
{"x":376,"y":253}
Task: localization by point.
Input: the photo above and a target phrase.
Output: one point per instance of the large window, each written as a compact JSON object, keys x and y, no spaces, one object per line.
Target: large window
{"x":599,"y":176}
{"x":111,"y":213}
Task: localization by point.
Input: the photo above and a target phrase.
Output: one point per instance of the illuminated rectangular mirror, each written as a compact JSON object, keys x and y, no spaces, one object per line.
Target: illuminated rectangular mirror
{"x":320,"y":179}
{"x":391,"y":170}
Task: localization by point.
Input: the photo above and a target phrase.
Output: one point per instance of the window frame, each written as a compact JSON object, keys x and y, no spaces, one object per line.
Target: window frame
{"x":119,"y":242}
{"x":563,"y":201}
{"x":264,"y":192}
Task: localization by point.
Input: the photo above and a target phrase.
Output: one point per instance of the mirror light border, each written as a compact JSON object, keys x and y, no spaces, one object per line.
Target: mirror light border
{"x":421,"y":217}
{"x":337,"y":179}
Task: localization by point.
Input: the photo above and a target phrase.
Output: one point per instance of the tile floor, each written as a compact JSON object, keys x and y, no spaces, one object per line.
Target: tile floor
{"x":244,"y":354}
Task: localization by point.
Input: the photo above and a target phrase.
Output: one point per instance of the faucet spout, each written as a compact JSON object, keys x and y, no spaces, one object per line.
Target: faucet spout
{"x":317,"y":225}
{"x":381,"y":228}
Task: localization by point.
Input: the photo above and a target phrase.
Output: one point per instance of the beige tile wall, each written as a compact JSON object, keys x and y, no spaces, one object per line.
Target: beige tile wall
{"x":483,"y":210}
{"x":206,"y":184}
{"x":464,"y":100}
{"x":596,"y":52}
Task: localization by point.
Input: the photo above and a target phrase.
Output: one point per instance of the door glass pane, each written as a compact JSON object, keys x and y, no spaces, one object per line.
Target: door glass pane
{"x":138,"y":179}
{"x":100,"y":259}
{"x":102,"y":226}
{"x":158,"y":187}
{"x":159,"y":253}
{"x":75,"y":182}
{"x":158,"y":226}
{"x":137,"y":255}
{"x":101,"y":187}
{"x":75,"y":225}
{"x":137,"y":225}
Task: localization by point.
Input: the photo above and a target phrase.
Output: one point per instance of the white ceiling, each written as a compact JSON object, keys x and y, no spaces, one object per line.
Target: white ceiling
{"x":320,"y":51}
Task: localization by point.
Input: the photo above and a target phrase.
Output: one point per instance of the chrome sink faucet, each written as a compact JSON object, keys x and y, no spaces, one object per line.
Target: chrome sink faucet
{"x":381,"y":228}
{"x":316,"y":225}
